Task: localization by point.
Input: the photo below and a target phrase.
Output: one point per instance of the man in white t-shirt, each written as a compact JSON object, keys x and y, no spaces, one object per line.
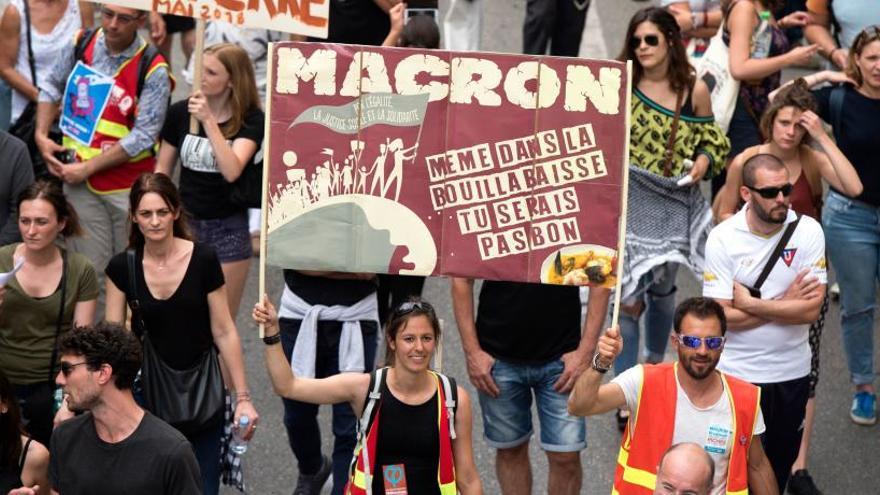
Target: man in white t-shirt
{"x":688,"y":401}
{"x":768,"y":343}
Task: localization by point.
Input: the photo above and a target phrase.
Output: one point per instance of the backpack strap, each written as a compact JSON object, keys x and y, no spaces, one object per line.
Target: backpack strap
{"x":450,"y":394}
{"x":82,"y":42}
{"x":374,"y":394}
{"x":144,"y":64}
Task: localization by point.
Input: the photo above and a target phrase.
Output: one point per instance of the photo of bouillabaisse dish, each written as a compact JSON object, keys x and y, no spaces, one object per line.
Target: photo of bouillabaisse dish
{"x":581,"y":264}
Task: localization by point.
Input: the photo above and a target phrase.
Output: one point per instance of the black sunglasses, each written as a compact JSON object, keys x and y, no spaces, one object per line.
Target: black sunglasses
{"x":410,"y":306}
{"x":651,"y":40}
{"x":67,"y":368}
{"x":772,"y":192}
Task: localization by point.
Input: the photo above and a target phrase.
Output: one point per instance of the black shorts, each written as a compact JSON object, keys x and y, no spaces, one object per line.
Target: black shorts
{"x":178,"y":24}
{"x":784,"y":405}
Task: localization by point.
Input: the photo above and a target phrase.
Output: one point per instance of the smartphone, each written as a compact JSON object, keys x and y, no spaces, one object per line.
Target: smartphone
{"x":414,"y":8}
{"x":66,"y":156}
{"x":410,"y":13}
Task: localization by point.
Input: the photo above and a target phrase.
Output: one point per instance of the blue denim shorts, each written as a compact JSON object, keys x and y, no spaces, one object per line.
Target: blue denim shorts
{"x":228,"y":236}
{"x":507,"y":420}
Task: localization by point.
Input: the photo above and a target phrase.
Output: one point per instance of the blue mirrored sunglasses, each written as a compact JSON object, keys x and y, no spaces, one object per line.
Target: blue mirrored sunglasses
{"x":712,"y":343}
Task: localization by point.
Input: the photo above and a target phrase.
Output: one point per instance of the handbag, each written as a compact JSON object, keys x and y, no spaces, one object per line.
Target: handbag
{"x":191,"y":400}
{"x":714,"y":70}
{"x":25,"y":126}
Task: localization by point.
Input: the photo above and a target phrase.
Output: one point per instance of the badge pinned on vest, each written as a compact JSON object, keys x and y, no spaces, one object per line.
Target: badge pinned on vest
{"x":394,"y":477}
{"x":788,"y":256}
{"x":85,"y":97}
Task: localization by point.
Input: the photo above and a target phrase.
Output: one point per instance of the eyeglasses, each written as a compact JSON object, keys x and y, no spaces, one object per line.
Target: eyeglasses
{"x":712,"y":343}
{"x":651,"y":40}
{"x":772,"y":192}
{"x":67,"y":368}
{"x":122,"y":18}
{"x":410,"y":306}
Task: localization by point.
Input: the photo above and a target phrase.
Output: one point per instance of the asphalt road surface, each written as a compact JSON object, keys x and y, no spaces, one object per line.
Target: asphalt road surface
{"x":844,"y":457}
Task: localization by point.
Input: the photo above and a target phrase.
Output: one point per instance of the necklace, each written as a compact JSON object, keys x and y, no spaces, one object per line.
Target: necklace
{"x":162,"y":263}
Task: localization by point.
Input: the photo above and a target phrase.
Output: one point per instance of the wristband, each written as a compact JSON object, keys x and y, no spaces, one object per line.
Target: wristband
{"x":242,"y":396}
{"x":272,"y":339}
{"x":597,"y":366}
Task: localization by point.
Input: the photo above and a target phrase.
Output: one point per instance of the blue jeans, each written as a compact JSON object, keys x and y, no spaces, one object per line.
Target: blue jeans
{"x":852,"y":237}
{"x":206,"y":445}
{"x":656,"y":290}
{"x":507,"y":419}
{"x":301,"y":418}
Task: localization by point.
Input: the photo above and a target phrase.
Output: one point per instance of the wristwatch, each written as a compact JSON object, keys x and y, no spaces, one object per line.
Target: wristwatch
{"x":272,"y":339}
{"x":598,"y":367}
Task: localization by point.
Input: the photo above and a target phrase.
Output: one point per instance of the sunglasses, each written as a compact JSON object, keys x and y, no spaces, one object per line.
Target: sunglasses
{"x":712,"y":343}
{"x":410,"y":306}
{"x":650,"y":40}
{"x":122,"y":18}
{"x":772,"y":192}
{"x":67,"y":368}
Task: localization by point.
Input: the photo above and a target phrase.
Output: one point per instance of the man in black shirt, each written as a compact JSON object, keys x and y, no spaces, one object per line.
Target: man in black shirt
{"x":526,"y":340}
{"x":115,"y":446}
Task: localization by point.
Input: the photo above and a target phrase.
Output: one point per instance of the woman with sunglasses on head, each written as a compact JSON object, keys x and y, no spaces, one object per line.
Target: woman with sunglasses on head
{"x":23,"y":461}
{"x":850,"y":220}
{"x":229,"y":138}
{"x":790,"y":124}
{"x":181,"y":293}
{"x":413,"y":427}
{"x":674,"y":143}
{"x":758,"y":51}
{"x":53,"y":292}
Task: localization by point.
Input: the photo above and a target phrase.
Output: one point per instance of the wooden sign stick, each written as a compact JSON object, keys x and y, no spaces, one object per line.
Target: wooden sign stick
{"x":264,"y":221}
{"x":197,"y":71}
{"x":621,"y":239}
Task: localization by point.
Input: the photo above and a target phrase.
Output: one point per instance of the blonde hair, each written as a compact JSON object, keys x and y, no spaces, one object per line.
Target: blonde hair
{"x":243,"y":95}
{"x":868,"y":35}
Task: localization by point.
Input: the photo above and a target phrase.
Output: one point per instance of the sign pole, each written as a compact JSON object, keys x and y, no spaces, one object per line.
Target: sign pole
{"x":621,"y":239}
{"x":264,"y":207}
{"x":197,"y":71}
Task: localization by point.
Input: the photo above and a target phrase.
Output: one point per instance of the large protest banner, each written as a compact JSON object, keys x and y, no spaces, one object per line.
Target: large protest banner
{"x":428,"y":162}
{"x":306,"y":17}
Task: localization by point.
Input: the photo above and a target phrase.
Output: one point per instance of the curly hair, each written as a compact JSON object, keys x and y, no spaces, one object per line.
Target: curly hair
{"x":105,"y":343}
{"x":796,"y":95}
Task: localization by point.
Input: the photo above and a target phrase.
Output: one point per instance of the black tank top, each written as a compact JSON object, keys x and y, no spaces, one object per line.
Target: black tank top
{"x":408,"y":435}
{"x":10,"y":476}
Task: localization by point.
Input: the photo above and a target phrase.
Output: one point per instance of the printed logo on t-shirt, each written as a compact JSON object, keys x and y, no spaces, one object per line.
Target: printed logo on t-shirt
{"x":197,"y":155}
{"x":788,"y":255}
{"x":717,"y":439}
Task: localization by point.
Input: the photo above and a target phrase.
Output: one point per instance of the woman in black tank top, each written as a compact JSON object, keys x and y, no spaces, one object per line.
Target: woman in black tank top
{"x":23,"y":462}
{"x":409,"y":441}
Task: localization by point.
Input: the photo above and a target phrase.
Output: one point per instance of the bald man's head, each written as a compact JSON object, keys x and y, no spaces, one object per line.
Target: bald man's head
{"x":685,"y":469}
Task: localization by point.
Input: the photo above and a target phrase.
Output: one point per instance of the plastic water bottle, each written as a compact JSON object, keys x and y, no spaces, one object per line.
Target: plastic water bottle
{"x":763,"y":37}
{"x":239,"y":445}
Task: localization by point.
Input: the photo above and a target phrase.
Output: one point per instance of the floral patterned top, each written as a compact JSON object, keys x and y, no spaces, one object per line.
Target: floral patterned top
{"x":650,"y":126}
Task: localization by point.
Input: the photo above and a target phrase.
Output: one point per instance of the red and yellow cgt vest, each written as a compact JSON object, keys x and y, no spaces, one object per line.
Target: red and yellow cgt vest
{"x":117,"y":120}
{"x":363,"y":462}
{"x":642,"y":448}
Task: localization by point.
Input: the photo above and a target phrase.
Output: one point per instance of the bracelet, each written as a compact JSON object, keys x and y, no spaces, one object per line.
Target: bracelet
{"x":272,"y":339}
{"x":831,"y":54}
{"x":598,"y":367}
{"x":242,"y":396}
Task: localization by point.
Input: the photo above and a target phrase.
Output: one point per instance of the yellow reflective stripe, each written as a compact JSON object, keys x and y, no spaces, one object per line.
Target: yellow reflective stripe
{"x":635,"y":476}
{"x":741,"y":492}
{"x":448,"y":489}
{"x":112,"y":129}
{"x":84,"y":152}
{"x":359,"y":479}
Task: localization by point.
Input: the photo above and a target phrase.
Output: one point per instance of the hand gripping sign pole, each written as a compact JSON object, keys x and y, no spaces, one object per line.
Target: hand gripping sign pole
{"x":264,"y":226}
